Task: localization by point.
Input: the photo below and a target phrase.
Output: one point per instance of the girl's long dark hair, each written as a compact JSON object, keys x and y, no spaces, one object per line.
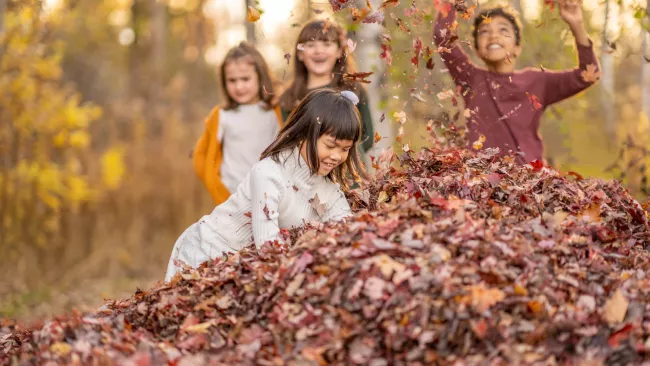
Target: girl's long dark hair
{"x":323,"y":111}
{"x":246,"y":52}
{"x":318,"y":30}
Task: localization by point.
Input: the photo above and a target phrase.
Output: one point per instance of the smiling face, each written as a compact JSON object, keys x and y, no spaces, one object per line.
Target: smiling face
{"x":319,"y":56}
{"x":331,"y":153}
{"x":496,"y":42}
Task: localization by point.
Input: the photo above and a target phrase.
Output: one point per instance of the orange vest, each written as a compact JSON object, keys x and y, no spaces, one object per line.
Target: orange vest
{"x":208,"y":155}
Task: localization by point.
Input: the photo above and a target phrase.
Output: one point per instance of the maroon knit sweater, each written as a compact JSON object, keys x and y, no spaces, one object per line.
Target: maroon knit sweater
{"x":506,"y":108}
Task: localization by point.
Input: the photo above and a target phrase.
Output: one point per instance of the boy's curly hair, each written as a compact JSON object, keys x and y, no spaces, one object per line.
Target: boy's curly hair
{"x":506,"y":12}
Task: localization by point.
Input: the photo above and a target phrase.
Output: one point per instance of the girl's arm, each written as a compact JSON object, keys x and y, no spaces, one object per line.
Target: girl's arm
{"x":367,"y":137}
{"x":266,"y":191}
{"x":564,"y":84}
{"x":339,"y":210}
{"x":459,"y":66}
{"x":200,"y":152}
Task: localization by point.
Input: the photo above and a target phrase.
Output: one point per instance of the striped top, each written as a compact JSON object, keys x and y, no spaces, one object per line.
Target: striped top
{"x":272,"y":196}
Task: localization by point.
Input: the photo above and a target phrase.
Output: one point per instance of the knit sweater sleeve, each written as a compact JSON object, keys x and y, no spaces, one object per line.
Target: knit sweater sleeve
{"x":267,"y":189}
{"x":339,"y":209}
{"x":559,"y":85}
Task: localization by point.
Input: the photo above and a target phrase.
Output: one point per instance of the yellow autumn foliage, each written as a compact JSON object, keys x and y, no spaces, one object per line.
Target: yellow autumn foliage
{"x":44,"y":133}
{"x":113,"y":168}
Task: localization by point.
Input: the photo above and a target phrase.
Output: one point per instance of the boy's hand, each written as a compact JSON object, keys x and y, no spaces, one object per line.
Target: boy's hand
{"x":571,"y":11}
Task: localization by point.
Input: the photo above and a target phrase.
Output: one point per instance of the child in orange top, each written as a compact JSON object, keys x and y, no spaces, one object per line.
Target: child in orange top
{"x":237,"y":133}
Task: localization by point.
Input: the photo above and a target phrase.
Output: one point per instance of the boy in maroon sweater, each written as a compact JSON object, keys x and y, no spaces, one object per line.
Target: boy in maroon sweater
{"x":506,"y":105}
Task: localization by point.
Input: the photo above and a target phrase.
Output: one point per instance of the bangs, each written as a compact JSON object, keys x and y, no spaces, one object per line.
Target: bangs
{"x":314,"y":32}
{"x":341,"y":123}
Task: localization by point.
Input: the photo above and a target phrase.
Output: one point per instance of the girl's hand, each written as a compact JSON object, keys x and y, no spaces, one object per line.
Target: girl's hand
{"x":571,"y":11}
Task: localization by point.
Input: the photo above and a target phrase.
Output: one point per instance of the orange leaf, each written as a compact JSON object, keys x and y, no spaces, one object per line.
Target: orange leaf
{"x":482,"y":298}
{"x":591,"y":74}
{"x":252,"y":14}
{"x":388,"y":3}
{"x":357,"y":77}
{"x":377,"y":137}
{"x":591,"y":213}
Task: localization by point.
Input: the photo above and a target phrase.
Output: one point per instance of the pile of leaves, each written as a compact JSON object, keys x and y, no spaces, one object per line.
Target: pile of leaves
{"x":452,"y":258}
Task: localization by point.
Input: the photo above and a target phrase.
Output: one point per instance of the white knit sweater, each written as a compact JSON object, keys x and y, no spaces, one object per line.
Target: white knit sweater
{"x":244,"y":133}
{"x":272,"y":196}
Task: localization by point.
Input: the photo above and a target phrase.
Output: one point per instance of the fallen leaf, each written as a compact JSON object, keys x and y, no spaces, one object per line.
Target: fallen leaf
{"x":482,"y":298}
{"x":374,"y":288}
{"x":295,"y":284}
{"x":478,"y":144}
{"x":383,"y":197}
{"x":352,"y":45}
{"x":591,"y":214}
{"x":358,"y":14}
{"x":615,"y":308}
{"x":341,"y":4}
{"x":387,"y":265}
{"x":252,"y":14}
{"x":60,"y":349}
{"x":534,"y":101}
{"x":266,"y":212}
{"x":319,"y":206}
{"x":376,"y":17}
{"x":359,"y":77}
{"x":417,"y":50}
{"x":388,"y":3}
{"x":590,"y":74}
{"x":400,"y":117}
{"x":198,"y":328}
{"x":445,"y":94}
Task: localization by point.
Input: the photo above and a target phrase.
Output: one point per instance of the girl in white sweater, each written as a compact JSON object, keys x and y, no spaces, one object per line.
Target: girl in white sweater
{"x":297,"y":180}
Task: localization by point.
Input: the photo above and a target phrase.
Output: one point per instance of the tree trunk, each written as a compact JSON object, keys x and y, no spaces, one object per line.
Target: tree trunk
{"x":250,"y":27}
{"x":158,"y":26}
{"x":367,"y":56}
{"x":607,"y":82}
{"x":3,"y":6}
{"x":159,"y":38}
{"x":645,"y":73}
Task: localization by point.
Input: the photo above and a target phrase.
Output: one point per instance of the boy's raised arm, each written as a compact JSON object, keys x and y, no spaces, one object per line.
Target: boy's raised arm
{"x":459,"y":66}
{"x":564,"y":84}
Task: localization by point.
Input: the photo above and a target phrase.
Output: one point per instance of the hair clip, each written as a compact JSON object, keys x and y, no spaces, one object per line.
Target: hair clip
{"x":350,"y":96}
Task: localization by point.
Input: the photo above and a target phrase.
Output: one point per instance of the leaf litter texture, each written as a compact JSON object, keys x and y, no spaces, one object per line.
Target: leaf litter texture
{"x":452,"y":257}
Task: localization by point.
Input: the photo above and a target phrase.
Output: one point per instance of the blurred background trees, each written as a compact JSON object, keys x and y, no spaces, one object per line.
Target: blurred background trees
{"x":101,"y":103}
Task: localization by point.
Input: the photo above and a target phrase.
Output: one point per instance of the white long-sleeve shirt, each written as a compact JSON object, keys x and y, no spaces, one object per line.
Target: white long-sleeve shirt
{"x":272,"y":196}
{"x":244,"y":133}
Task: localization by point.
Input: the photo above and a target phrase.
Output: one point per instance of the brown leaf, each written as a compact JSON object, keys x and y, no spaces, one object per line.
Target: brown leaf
{"x":341,"y":4}
{"x":374,"y":17}
{"x":357,"y":77}
{"x":388,"y":3}
{"x":320,"y":208}
{"x":266,"y":212}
